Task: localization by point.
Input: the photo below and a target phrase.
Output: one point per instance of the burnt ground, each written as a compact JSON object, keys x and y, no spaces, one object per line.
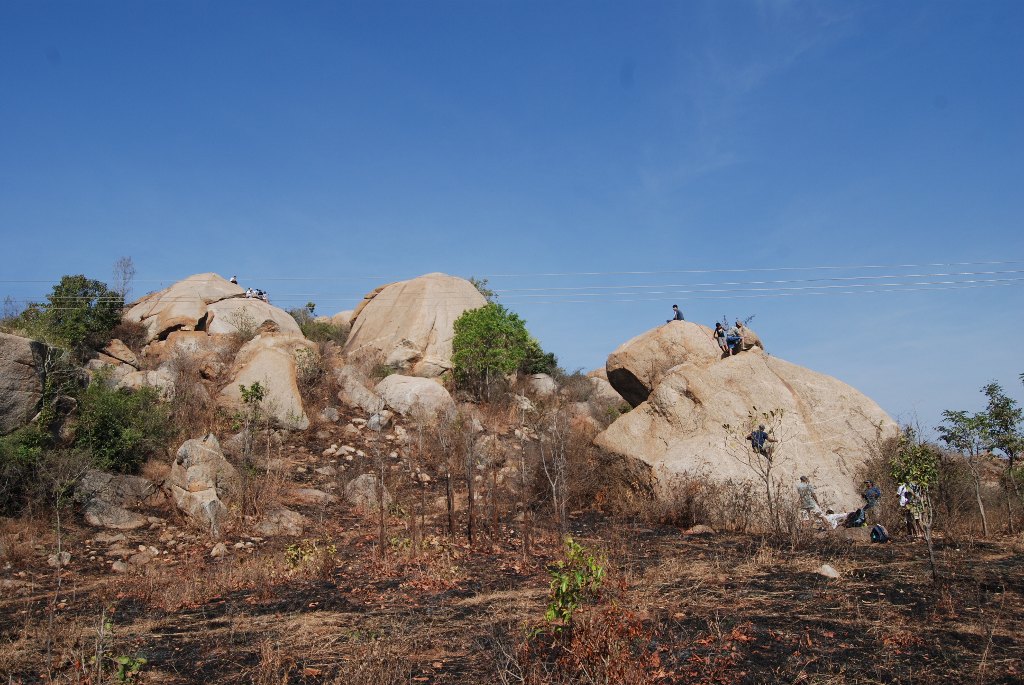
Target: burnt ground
{"x":715,"y":609}
{"x":328,"y":607}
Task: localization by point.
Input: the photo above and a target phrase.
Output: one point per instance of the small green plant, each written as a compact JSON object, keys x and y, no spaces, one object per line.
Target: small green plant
{"x":309,"y":367}
{"x":574,"y":580}
{"x":128,"y":668}
{"x":312,"y":553}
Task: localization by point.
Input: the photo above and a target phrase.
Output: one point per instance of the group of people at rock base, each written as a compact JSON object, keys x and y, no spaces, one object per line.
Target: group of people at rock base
{"x":729,"y":341}
{"x":911,"y":502}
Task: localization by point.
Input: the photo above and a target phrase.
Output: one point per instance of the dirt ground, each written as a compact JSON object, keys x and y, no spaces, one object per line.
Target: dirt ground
{"x":713,"y":609}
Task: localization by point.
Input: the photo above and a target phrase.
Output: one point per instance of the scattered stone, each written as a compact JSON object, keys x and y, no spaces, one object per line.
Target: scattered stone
{"x":109,"y":538}
{"x":330,"y":414}
{"x":219,"y":550}
{"x":119,"y":567}
{"x":281,"y":522}
{"x":361,"y":492}
{"x":105,"y":515}
{"x":359,"y":422}
{"x":328,"y":471}
{"x":700,"y":529}
{"x":828,"y":571}
{"x":58,"y":560}
{"x":312,"y":496}
{"x":379,"y":420}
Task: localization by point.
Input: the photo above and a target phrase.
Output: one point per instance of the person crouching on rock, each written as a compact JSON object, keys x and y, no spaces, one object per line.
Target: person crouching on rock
{"x":734,"y":338}
{"x":677,"y":315}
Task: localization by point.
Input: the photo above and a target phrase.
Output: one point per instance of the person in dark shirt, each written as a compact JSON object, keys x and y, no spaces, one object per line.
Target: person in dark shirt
{"x":677,"y":314}
{"x":759,"y":440}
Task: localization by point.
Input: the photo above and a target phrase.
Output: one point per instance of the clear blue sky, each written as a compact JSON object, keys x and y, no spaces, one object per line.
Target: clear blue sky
{"x":318,"y":149}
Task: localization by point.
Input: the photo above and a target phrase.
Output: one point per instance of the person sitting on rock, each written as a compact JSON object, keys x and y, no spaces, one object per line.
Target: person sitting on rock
{"x":250,"y":293}
{"x":734,"y":338}
{"x":720,"y":338}
{"x":677,"y":314}
{"x":759,"y":440}
{"x":233,"y":279}
{"x":809,"y":505}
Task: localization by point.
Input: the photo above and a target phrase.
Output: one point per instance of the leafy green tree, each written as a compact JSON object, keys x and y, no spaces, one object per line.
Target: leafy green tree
{"x":1005,"y":418}
{"x":917,"y":462}
{"x":537,"y":360}
{"x":78,"y":314}
{"x":968,"y":434}
{"x":490,"y":342}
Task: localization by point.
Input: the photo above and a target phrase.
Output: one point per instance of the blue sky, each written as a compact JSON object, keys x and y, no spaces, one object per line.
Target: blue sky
{"x":319,"y":149}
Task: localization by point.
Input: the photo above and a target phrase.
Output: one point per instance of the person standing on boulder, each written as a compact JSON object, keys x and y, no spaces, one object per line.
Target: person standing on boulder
{"x":809,"y":505}
{"x":677,"y":315}
{"x":720,"y":338}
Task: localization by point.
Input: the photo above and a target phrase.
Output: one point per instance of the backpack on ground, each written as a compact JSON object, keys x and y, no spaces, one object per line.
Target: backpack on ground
{"x":855,"y":519}
{"x":879,"y":533}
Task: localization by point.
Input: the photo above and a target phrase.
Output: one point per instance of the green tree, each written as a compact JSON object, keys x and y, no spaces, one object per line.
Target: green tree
{"x":917,"y":462}
{"x":537,"y":360}
{"x":78,"y":314}
{"x":1005,"y":436}
{"x":490,"y":342}
{"x":968,"y":434}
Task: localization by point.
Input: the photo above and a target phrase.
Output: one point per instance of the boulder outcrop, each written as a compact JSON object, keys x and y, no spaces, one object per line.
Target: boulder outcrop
{"x":202,"y":482}
{"x":21,"y":380}
{"x":235,"y":315}
{"x":270,"y":359}
{"x":826,"y":427}
{"x":183,"y":306}
{"x":409,"y":325}
{"x":409,"y":395}
{"x":639,"y":364}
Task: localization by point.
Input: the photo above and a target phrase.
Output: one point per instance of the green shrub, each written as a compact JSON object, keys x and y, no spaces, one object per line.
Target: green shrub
{"x":121,"y":428}
{"x":78,"y":315}
{"x":490,"y":342}
{"x":574,"y":580}
{"x":318,"y":331}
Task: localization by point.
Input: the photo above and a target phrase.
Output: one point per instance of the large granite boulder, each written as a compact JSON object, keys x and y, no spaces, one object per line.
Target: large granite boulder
{"x":826,"y":429}
{"x":353,"y":390}
{"x":241,"y":315}
{"x":639,"y":364}
{"x":410,"y":395}
{"x":21,"y":380}
{"x":270,"y":359}
{"x":183,"y":306}
{"x":107,"y":498}
{"x":409,"y":325}
{"x":203,"y":483}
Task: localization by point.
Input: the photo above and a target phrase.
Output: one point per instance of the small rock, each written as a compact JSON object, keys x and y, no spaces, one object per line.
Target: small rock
{"x":109,"y":538}
{"x":327,"y":471}
{"x":700,"y":529}
{"x":241,"y":545}
{"x":330,"y":414}
{"x":119,"y":567}
{"x":358,"y":422}
{"x":219,"y":550}
{"x":827,"y":571}
{"x":58,"y":560}
{"x":300,"y":469}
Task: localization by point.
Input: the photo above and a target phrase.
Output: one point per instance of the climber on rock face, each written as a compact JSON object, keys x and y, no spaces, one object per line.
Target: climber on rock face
{"x":734,"y":338}
{"x":759,"y":439}
{"x":677,"y":314}
{"x":720,"y":337}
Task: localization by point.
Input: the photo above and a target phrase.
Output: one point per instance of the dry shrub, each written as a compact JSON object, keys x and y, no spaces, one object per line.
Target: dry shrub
{"x":274,"y":667}
{"x":262,"y":489}
{"x":317,"y":385}
{"x":603,"y":644}
{"x":688,"y":499}
{"x":18,"y":538}
{"x":575,"y":387}
{"x":605,"y":481}
{"x":383,"y":661}
{"x":193,"y":410}
{"x":132,"y":333}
